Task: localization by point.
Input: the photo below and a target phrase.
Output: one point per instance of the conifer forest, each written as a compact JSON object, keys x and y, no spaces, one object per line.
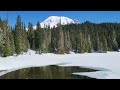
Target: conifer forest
{"x":79,"y":38}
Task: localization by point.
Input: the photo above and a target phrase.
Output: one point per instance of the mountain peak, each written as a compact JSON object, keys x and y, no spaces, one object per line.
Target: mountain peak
{"x":52,"y":21}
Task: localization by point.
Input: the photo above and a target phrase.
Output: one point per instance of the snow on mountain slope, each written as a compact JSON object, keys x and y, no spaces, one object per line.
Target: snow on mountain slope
{"x":54,"y":20}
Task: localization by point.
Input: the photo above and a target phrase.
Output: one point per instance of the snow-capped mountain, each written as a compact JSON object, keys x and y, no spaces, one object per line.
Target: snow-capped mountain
{"x":52,"y":21}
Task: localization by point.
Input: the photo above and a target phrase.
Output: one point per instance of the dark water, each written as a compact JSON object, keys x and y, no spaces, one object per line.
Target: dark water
{"x":47,"y":72}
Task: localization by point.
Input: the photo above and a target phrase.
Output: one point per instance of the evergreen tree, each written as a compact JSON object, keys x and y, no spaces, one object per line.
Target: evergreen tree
{"x":8,"y":40}
{"x":67,"y":41}
{"x":97,"y":43}
{"x":52,"y":47}
{"x":114,"y":42}
{"x":11,"y":41}
{"x":7,"y":50}
{"x":79,"y":39}
{"x":1,"y":42}
{"x":89,"y":44}
{"x":23,"y":38}
{"x":17,"y":36}
{"x":48,"y":40}
{"x":44,"y":42}
{"x":31,"y":36}
{"x":1,"y":23}
{"x":104,"y":43}
{"x":38,"y":38}
{"x":60,"y":47}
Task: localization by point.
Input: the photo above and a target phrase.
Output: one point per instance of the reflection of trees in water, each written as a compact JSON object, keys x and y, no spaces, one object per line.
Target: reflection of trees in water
{"x":47,"y":72}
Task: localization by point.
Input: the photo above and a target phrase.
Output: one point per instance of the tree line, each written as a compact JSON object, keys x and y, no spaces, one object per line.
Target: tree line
{"x":79,"y":38}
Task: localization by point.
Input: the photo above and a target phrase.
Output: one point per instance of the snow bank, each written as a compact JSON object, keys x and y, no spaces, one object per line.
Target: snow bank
{"x":100,"y":75}
{"x":108,"y":63}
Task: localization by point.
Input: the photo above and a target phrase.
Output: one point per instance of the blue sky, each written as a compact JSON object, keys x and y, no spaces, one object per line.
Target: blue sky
{"x":82,"y":16}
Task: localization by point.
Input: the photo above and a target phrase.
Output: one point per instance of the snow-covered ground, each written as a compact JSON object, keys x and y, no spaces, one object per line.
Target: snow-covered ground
{"x":108,"y":63}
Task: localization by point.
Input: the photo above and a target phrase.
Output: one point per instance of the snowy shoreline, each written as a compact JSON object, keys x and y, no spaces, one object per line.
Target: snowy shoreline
{"x":108,"y":63}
